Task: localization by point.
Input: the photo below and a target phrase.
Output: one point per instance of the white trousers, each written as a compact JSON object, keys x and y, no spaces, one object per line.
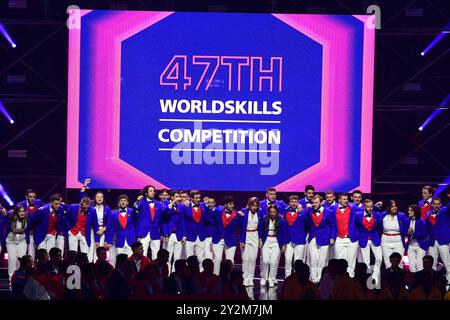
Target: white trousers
{"x":125,"y":249}
{"x":415,"y":256}
{"x":345,"y":249}
{"x":92,"y":254}
{"x":74,"y":240}
{"x":16,"y":249}
{"x":218,"y":249}
{"x":249,"y":255}
{"x":271,"y":258}
{"x":295,"y":251}
{"x":197,"y":248}
{"x":442,"y":251}
{"x":112,"y":255}
{"x":365,"y":252}
{"x":32,"y":247}
{"x":155,"y":245}
{"x":174,"y":247}
{"x":208,"y":248}
{"x":51,"y":241}
{"x":389,"y":245}
{"x":318,"y":259}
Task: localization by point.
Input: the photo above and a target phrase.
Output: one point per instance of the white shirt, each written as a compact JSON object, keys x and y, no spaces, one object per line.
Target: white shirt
{"x":252,"y":222}
{"x":412,"y":224}
{"x":427,"y":202}
{"x":390,"y":224}
{"x":368,"y":218}
{"x":272,"y":231}
{"x":138,"y":264}
{"x":100,"y":211}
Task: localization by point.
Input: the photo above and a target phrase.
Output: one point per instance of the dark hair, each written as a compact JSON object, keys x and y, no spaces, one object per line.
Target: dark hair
{"x":357,"y":191}
{"x":342,"y":194}
{"x":309,"y":187}
{"x":390,"y":204}
{"x":121,"y":259}
{"x":228,"y":199}
{"x":40,"y":254}
{"x":267,"y":222}
{"x":184,"y":191}
{"x":123,"y":196}
{"x":54,"y":197}
{"x":293,"y":197}
{"x":145,"y":189}
{"x":95,"y":196}
{"x":164,"y":190}
{"x":194,"y":193}
{"x":174,"y":192}
{"x":271,"y":189}
{"x":30,"y":191}
{"x":99,"y":249}
{"x":85,"y":200}
{"x":162,"y":252}
{"x":54,"y":251}
{"x":367,"y":201}
{"x":15,"y":217}
{"x":415,"y":208}
{"x":437,"y":199}
{"x":25,"y":261}
{"x":395,"y":255}
{"x":179,"y":264}
{"x":136,"y":245}
{"x":428,"y":257}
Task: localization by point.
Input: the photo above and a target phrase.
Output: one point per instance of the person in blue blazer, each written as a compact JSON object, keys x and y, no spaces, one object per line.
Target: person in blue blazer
{"x":251,"y":227}
{"x":121,"y":229}
{"x":193,"y":212}
{"x":210,"y":225}
{"x":31,"y":204}
{"x":438,"y":225}
{"x":80,"y":219}
{"x":347,"y":237}
{"x":306,"y":202}
{"x":49,"y":221}
{"x":417,"y":244}
{"x":322,"y":232}
{"x":17,"y":236}
{"x":394,"y":233}
{"x":369,"y":225}
{"x":425,"y":203}
{"x":225,"y":237}
{"x":103,"y":211}
{"x":274,"y":239}
{"x":149,"y":220}
{"x":271,"y":198}
{"x":173,"y":228}
{"x":297,"y":225}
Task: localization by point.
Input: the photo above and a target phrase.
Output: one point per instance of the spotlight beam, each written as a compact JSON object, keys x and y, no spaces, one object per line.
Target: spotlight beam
{"x":5,"y":113}
{"x":436,"y":112}
{"x":7,"y":36}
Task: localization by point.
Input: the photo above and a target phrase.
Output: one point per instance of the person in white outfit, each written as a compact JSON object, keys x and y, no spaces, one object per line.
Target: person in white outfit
{"x":250,"y":237}
{"x":16,"y":239}
{"x":273,"y":245}
{"x":393,"y":232}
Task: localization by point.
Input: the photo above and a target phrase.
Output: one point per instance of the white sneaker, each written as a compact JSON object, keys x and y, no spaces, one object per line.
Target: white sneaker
{"x":262,"y":282}
{"x":245,"y":283}
{"x":271,"y":284}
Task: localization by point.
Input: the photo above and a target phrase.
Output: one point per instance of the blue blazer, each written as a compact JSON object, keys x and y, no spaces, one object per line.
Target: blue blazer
{"x":326,"y":229}
{"x":302,"y":201}
{"x":172,"y":219}
{"x":297,"y":232}
{"x":38,"y":202}
{"x":281,"y":233}
{"x":440,"y":232}
{"x":144,"y":223}
{"x":91,"y":221}
{"x":114,"y":228}
{"x":279,"y":203}
{"x":352,"y":229}
{"x":228,"y":233}
{"x":420,"y":233}
{"x":192,"y":228}
{"x":210,"y":223}
{"x":42,"y":218}
{"x":401,"y":218}
{"x":244,"y":221}
{"x":365,"y":234}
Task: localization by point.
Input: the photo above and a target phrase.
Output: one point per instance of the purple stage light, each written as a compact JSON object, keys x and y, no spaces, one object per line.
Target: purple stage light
{"x":438,"y":38}
{"x":5,"y":113}
{"x":5,"y":195}
{"x":7,"y":36}
{"x":438,"y":111}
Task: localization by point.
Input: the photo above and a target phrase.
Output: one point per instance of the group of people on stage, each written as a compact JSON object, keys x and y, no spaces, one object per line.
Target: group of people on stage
{"x":312,"y":229}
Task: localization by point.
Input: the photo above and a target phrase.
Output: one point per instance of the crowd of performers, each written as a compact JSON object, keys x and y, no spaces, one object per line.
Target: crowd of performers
{"x":312,"y":230}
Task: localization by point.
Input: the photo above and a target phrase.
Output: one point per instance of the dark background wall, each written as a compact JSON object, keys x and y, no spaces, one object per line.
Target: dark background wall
{"x":408,"y":88}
